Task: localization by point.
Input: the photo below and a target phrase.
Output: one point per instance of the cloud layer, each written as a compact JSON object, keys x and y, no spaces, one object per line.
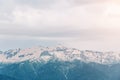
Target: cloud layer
{"x":89,"y":22}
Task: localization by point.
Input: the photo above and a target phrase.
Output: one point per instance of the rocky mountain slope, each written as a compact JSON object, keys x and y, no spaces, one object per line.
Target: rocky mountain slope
{"x":58,"y":63}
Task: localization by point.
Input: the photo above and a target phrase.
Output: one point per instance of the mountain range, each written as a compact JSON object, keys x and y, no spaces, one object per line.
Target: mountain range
{"x":58,"y":63}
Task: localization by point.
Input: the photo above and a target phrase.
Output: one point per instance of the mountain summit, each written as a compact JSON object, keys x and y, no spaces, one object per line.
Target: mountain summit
{"x":60,"y":53}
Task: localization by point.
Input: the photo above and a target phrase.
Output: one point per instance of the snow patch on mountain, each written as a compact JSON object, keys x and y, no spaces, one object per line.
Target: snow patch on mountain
{"x":60,"y":53}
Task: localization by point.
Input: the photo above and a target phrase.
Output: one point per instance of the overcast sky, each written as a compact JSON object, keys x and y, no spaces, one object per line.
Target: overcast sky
{"x":83,"y":24}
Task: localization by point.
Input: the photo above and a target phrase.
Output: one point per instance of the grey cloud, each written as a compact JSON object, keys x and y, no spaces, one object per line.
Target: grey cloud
{"x":37,"y":3}
{"x":63,"y":18}
{"x":87,"y":1}
{"x":51,"y":3}
{"x":47,"y":2}
{"x":8,"y":7}
{"x":83,"y":34}
{"x":81,"y":21}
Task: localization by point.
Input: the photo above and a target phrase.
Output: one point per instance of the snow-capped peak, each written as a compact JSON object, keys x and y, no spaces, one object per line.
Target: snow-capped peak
{"x":60,"y":53}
